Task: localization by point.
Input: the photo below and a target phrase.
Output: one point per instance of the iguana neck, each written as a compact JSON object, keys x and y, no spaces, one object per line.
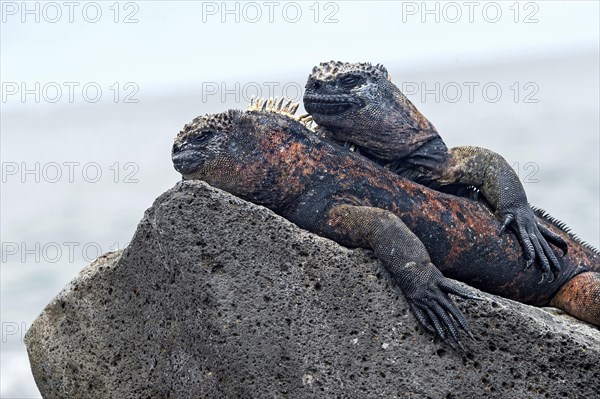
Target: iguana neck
{"x":422,"y":164}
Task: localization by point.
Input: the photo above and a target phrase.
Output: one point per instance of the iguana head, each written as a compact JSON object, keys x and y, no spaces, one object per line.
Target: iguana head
{"x":203,"y":144}
{"x":336,"y":89}
{"x":358,"y":103}
{"x":237,"y":151}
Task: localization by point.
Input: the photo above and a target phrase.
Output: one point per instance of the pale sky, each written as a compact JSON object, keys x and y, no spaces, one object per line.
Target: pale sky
{"x":166,"y":45}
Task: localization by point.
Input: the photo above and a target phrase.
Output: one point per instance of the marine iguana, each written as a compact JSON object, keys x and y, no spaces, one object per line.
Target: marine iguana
{"x":359,"y":104}
{"x":268,"y":157}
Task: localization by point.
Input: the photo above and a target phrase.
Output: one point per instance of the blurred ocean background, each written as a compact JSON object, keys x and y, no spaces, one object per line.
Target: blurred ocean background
{"x":77,"y":174}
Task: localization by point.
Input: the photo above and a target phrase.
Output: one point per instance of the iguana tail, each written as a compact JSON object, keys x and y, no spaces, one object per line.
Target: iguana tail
{"x":580,"y":297}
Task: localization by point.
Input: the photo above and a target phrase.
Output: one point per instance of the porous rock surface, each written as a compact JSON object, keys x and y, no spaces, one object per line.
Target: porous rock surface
{"x":218,"y":298}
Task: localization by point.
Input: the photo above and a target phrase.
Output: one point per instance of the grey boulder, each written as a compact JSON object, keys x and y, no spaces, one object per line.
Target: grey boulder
{"x":219,"y":298}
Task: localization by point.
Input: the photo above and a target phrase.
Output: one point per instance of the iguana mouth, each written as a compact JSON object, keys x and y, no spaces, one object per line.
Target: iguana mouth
{"x":185,"y":162}
{"x":330,"y":104}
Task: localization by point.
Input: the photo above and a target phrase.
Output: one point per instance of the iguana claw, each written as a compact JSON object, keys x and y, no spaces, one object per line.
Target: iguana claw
{"x":434,"y":309}
{"x":507,"y":221}
{"x":528,"y":264}
{"x":534,"y":238}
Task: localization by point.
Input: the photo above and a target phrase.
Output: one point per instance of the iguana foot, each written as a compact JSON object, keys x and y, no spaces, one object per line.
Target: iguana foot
{"x":433,"y":308}
{"x":534,"y":239}
{"x":406,"y":259}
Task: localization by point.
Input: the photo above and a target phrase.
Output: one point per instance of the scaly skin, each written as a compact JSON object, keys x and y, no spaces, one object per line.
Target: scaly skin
{"x":358,"y":104}
{"x":273,"y":160}
{"x":580,"y":297}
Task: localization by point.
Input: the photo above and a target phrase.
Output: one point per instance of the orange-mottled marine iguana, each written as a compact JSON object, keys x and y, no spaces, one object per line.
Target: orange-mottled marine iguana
{"x":423,"y":237}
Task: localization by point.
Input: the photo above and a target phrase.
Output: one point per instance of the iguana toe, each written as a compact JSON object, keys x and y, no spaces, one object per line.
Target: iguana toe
{"x":533,"y":241}
{"x":554,"y":238}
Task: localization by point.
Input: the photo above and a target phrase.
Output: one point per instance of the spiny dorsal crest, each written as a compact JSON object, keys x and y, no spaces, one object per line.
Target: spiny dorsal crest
{"x":281,"y":107}
{"x":542,"y":214}
{"x":330,"y":70}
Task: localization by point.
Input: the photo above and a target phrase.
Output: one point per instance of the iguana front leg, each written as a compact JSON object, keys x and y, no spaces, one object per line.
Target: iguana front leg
{"x":407,"y":261}
{"x":501,"y":187}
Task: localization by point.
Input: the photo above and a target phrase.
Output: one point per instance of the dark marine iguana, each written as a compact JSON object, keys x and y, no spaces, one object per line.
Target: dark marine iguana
{"x":267,"y":157}
{"x":359,"y":104}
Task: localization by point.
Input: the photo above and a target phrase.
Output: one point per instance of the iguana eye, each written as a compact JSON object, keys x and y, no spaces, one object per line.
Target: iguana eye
{"x":202,"y":137}
{"x":313,"y":84}
{"x":350,"y":81}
